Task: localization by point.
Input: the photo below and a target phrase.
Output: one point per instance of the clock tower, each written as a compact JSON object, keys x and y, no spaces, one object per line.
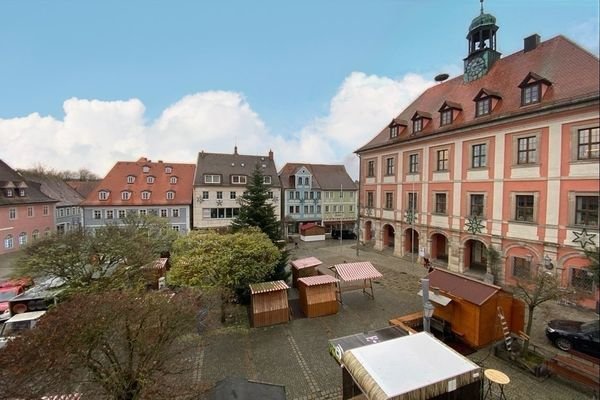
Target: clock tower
{"x":482,"y":46}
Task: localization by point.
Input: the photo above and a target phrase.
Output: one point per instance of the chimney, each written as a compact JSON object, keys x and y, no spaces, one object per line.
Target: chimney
{"x":270,"y":154}
{"x":235,"y":150}
{"x":531,"y":42}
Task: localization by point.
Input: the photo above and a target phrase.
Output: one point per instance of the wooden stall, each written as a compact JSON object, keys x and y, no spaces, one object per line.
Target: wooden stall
{"x":318,"y":295}
{"x":312,"y":232}
{"x":471,"y":307}
{"x":304,"y":267}
{"x":154,"y":271}
{"x":269,"y":303}
{"x":355,"y":276}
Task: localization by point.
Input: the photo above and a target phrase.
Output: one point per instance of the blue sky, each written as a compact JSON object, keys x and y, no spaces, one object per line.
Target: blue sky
{"x":86,"y":83}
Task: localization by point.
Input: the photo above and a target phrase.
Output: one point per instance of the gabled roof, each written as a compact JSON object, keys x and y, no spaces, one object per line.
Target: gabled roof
{"x":450,"y":104}
{"x":325,"y":177}
{"x":9,"y":178}
{"x":233,"y":164}
{"x":115,"y":182}
{"x":572,"y":70}
{"x":56,"y":188}
{"x":487,"y":93}
{"x":83,"y":187}
{"x":533,"y":77}
{"x":457,"y":285}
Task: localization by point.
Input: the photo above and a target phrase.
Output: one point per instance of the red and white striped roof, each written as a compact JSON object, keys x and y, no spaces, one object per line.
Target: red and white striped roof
{"x":265,"y":287}
{"x":306,"y":262}
{"x":318,"y":280}
{"x":357,"y":271}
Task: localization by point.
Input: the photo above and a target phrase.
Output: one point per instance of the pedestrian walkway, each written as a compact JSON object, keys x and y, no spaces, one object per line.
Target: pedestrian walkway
{"x":296,"y":354}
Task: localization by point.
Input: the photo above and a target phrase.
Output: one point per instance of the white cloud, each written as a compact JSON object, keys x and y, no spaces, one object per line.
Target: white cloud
{"x":94,"y":134}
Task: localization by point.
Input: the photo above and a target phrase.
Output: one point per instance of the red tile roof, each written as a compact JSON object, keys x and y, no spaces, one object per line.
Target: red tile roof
{"x":457,"y":285}
{"x":572,"y":71}
{"x":116,"y":181}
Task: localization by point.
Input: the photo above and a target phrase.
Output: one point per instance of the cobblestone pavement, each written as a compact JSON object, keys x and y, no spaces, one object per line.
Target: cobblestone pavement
{"x":296,"y":354}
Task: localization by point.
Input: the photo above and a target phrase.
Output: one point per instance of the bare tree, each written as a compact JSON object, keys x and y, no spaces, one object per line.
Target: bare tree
{"x":117,"y":345}
{"x":542,"y":287}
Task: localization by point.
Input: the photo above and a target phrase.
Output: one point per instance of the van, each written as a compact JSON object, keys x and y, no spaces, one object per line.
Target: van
{"x":18,"y":324}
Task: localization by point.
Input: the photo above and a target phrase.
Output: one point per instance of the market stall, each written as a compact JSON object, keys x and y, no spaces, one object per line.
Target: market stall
{"x":304,"y":267}
{"x":355,"y":276}
{"x":318,"y":295}
{"x":269,"y":302}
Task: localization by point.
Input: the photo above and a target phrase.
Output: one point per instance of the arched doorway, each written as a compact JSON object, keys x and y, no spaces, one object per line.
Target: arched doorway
{"x":475,"y":256}
{"x":439,"y":247}
{"x":368,"y":230}
{"x":388,"y":236}
{"x":411,"y":241}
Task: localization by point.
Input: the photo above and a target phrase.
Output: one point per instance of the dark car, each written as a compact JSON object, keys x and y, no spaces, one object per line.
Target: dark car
{"x":346,"y":234}
{"x":576,"y":335}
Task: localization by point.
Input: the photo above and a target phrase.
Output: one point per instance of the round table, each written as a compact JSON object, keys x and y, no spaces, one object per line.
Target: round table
{"x":499,"y":378}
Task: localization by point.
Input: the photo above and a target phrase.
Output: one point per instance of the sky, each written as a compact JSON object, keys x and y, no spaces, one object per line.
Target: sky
{"x":84,"y":84}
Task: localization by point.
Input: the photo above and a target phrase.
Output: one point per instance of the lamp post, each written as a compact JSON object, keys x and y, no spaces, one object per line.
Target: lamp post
{"x":427,"y":306}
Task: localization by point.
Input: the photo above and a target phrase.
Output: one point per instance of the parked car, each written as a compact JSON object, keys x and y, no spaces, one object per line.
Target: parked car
{"x":17,"y":324}
{"x":576,"y":335}
{"x":8,"y":290}
{"x":346,"y":234}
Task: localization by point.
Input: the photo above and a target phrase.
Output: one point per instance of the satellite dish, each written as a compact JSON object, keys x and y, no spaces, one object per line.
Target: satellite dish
{"x":441,"y":77}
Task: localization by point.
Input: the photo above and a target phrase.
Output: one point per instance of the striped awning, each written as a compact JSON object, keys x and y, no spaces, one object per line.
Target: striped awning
{"x":306,"y":262}
{"x":357,"y":271}
{"x":265,"y":287}
{"x":318,"y":280}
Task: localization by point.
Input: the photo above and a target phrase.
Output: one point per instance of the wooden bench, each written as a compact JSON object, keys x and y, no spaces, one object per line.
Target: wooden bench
{"x":576,"y":368}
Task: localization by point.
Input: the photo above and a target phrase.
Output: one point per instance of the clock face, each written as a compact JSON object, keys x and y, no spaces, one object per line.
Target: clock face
{"x":475,"y":68}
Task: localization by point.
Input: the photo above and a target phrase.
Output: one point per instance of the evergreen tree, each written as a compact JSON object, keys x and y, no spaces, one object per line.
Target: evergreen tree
{"x":255,"y":209}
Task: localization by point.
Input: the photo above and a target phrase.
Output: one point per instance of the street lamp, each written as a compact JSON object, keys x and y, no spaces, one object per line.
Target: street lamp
{"x":427,"y":306}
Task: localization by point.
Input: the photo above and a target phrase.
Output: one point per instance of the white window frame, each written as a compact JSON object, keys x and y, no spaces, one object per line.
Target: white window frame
{"x":171,"y":195}
{"x":150,"y":179}
{"x":212,"y":178}
{"x":146,"y":195}
{"x":239,"y":179}
{"x":125,"y":195}
{"x":103,"y":195}
{"x":12,"y":213}
{"x":267,"y":180}
{"x":130,"y":179}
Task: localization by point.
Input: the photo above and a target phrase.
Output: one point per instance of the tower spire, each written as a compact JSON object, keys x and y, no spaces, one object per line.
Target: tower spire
{"x":481,"y":1}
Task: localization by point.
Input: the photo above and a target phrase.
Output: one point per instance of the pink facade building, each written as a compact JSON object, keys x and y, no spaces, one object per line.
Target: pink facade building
{"x":504,"y":156}
{"x":25,"y":212}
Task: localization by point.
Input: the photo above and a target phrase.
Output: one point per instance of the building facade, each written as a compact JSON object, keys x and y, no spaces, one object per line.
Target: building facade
{"x":142,"y":187}
{"x":68,"y":215}
{"x":220,"y":181}
{"x":25,"y":212}
{"x":317,"y":193}
{"x":505,"y":156}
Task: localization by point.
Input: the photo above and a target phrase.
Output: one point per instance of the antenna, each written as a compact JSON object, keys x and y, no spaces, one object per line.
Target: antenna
{"x":481,"y":1}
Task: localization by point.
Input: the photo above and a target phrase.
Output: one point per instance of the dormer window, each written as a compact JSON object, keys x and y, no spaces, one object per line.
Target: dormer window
{"x":238,"y":179}
{"x":145,"y":169}
{"x":170,"y":195}
{"x":125,"y":195}
{"x":420,"y":120}
{"x":21,"y":192}
{"x":9,"y":193}
{"x":168,"y":170}
{"x":446,"y":117}
{"x":485,"y":101}
{"x":483,"y":107}
{"x":130,"y":179}
{"x":533,"y":88}
{"x":267,"y":180}
{"x":150,"y":179}
{"x":417,"y":125}
{"x":300,"y":181}
{"x":394,"y":131}
{"x":173,"y":180}
{"x":530,"y":94}
{"x":448,"y":112}
{"x":103,"y":195}
{"x":212,"y":178}
{"x":146,"y":195}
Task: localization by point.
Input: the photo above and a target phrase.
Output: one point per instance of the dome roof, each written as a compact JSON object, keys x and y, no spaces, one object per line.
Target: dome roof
{"x":482,"y":20}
